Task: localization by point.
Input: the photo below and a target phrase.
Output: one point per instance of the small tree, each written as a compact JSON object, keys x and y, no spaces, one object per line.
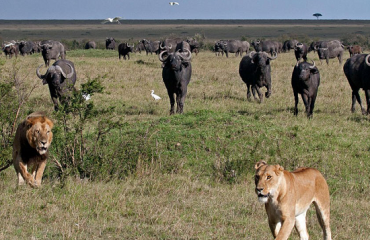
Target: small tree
{"x":317,"y":15}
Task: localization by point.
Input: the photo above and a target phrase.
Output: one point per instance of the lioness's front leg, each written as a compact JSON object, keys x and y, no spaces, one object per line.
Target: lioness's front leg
{"x":286,"y":229}
{"x":26,"y":175}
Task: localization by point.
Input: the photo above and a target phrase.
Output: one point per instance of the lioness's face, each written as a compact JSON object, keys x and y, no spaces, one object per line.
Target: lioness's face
{"x":267,"y":180}
{"x":40,"y":136}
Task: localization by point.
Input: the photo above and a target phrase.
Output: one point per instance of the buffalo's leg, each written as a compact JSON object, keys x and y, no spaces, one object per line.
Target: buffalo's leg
{"x":367,"y":94}
{"x":260,"y":95}
{"x":181,"y":100}
{"x":305,"y":101}
{"x":312,"y":104}
{"x":356,"y":95}
{"x":296,"y":103}
{"x":248,"y":91}
{"x":172,"y":101}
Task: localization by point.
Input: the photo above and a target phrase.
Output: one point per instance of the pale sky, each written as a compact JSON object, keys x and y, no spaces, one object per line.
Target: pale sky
{"x":188,"y":9}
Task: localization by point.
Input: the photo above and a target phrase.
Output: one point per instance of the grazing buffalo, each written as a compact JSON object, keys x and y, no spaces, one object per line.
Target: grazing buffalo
{"x":110,"y":43}
{"x":232,"y":46}
{"x":176,"y":76}
{"x":356,"y":49}
{"x":289,"y":44}
{"x":217,"y":49}
{"x":305,"y":81}
{"x":265,"y":46}
{"x":26,"y":47}
{"x":357,"y":71}
{"x":61,"y":78}
{"x":194,"y":45}
{"x":124,"y":50}
{"x":255,"y":71}
{"x":90,"y":45}
{"x":151,"y":46}
{"x":300,"y":51}
{"x":52,"y":50}
{"x":245,"y":47}
{"x":10,"y":50}
{"x":330,"y":49}
{"x":139,"y":47}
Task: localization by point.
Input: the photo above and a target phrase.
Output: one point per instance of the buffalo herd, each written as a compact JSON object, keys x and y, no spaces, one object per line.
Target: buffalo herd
{"x":176,"y":53}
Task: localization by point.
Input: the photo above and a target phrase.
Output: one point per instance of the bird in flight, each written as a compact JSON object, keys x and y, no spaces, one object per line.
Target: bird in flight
{"x":156,"y":97}
{"x":112,"y":20}
{"x":174,"y":3}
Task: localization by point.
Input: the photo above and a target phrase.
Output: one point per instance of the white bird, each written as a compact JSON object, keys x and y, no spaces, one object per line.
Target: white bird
{"x":112,"y":20}
{"x":174,"y":3}
{"x":86,"y":96}
{"x":156,"y":97}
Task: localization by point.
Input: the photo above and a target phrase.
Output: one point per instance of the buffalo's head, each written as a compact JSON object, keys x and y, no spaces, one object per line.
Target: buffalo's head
{"x":261,"y":59}
{"x":306,"y":69}
{"x":54,"y":75}
{"x":175,"y":60}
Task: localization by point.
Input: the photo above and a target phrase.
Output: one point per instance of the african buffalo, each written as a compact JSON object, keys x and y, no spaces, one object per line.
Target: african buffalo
{"x":356,"y":49}
{"x":255,"y":71}
{"x":151,"y":46}
{"x":357,"y":71}
{"x":26,"y":47}
{"x":52,"y":50}
{"x":300,"y":51}
{"x":61,"y":78}
{"x":330,"y":49}
{"x":305,"y":81}
{"x":176,"y":74}
{"x":139,"y":47}
{"x":124,"y":50}
{"x":110,"y":43}
{"x":232,"y":46}
{"x":11,"y":49}
{"x":265,"y":46}
{"x":194,"y":45}
{"x":90,"y":45}
{"x":289,"y":44}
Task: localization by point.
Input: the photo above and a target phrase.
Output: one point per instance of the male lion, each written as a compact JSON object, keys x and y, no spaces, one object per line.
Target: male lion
{"x":288,"y":195}
{"x":30,"y":147}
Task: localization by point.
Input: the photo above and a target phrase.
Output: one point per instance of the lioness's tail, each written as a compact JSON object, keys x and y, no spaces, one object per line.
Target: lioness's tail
{"x":6,"y":166}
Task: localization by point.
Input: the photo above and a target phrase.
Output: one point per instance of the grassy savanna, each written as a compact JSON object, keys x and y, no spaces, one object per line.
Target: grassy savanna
{"x":158,"y":29}
{"x":191,"y":176}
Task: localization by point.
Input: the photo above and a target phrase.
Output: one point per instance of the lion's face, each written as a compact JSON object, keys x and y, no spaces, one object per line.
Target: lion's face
{"x":39,"y":133}
{"x":267,"y":180}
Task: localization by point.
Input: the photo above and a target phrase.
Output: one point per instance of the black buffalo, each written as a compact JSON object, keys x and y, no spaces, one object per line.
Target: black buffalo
{"x":289,"y":44}
{"x":194,"y":45}
{"x":305,"y":81}
{"x":266,"y":46}
{"x":61,"y":78}
{"x":52,"y":50}
{"x":300,"y":51}
{"x":124,"y":50}
{"x":151,"y":46}
{"x":357,"y":71}
{"x":255,"y":71}
{"x":10,"y":50}
{"x":90,"y":45}
{"x":330,"y":49}
{"x":176,"y":74}
{"x":26,"y":47}
{"x":110,"y":43}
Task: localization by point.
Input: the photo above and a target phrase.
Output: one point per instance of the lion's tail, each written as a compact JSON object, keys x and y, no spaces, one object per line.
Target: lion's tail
{"x":6,"y":166}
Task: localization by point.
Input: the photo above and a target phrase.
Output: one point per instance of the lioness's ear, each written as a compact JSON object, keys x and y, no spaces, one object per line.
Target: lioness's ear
{"x":278,"y":169}
{"x":259,"y":164}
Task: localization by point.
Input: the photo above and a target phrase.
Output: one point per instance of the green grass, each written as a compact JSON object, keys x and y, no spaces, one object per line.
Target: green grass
{"x":191,"y":175}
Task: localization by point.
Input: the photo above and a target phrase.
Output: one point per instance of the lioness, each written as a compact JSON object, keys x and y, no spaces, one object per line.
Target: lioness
{"x":30,"y":147}
{"x":288,"y":195}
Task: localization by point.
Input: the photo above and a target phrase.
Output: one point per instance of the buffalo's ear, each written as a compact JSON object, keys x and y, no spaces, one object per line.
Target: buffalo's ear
{"x":259,"y":164}
{"x":314,"y":70}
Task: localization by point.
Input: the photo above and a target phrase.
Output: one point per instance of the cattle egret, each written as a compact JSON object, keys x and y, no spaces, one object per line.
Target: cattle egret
{"x":86,"y":96}
{"x":174,"y":3}
{"x":156,"y":97}
{"x":112,"y":20}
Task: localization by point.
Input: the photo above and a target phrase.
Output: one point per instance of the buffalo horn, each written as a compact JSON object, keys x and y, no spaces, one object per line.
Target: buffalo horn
{"x":313,"y":66}
{"x":272,"y":57}
{"x":38,"y":72}
{"x":186,"y":57}
{"x":161,"y":58}
{"x":63,"y":73}
{"x":299,"y":45}
{"x":367,"y":60}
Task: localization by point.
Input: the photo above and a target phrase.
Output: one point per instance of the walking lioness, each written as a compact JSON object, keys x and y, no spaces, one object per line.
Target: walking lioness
{"x":287,"y":197}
